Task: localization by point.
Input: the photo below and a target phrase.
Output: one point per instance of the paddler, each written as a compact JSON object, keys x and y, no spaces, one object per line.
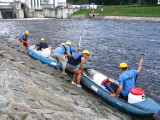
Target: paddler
{"x":73,"y":61}
{"x":126,"y":81}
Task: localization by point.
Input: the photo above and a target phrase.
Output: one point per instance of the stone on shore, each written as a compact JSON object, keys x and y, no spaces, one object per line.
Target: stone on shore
{"x":31,"y":90}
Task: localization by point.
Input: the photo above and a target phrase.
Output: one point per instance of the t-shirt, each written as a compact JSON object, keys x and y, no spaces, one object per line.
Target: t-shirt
{"x":60,"y":50}
{"x":42,"y":45}
{"x":127,"y":80}
{"x":22,"y":36}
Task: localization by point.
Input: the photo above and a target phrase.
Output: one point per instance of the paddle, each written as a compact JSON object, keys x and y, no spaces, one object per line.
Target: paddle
{"x":79,"y":43}
{"x":137,"y":75}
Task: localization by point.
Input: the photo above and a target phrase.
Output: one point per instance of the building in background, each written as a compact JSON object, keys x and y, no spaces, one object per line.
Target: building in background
{"x":39,"y":4}
{"x":86,"y":6}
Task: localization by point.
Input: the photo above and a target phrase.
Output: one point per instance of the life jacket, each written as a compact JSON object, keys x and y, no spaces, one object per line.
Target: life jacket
{"x":75,"y":59}
{"x":64,"y":48}
{"x":25,"y":37}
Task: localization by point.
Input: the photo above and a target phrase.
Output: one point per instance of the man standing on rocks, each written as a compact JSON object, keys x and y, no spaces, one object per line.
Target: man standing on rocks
{"x":24,"y":40}
{"x":60,"y":53}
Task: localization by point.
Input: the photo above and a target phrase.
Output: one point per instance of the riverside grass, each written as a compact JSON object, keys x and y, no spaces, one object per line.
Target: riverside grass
{"x":137,"y":11}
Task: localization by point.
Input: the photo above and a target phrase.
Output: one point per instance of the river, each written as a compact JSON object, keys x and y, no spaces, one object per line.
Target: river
{"x":109,"y":42}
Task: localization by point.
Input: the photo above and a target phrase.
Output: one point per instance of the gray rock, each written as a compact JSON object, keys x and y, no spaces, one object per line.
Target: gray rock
{"x":8,"y":56}
{"x":34,"y":104}
{"x":22,"y":108}
{"x":3,"y":74}
{"x":24,"y":95}
{"x":17,"y":88}
{"x":14,"y":81}
{"x":35,"y":117}
{"x":48,"y":99}
{"x":25,"y":78}
{"x":13,"y":74}
{"x":17,"y":116}
{"x":2,"y":82}
{"x":2,"y":90}
{"x":3,"y":101}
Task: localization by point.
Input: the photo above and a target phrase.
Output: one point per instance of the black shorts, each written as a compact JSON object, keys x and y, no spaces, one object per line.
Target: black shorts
{"x":115,"y":87}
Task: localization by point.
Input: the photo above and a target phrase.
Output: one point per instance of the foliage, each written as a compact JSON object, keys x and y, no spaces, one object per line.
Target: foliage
{"x":124,"y":11}
{"x":114,"y":2}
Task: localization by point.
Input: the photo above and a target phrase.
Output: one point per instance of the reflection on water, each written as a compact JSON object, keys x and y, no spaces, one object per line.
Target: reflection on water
{"x":109,"y":43}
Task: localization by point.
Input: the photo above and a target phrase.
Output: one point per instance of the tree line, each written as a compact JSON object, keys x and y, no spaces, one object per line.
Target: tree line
{"x":114,"y":2}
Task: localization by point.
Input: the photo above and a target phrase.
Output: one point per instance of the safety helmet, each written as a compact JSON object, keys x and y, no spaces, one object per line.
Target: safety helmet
{"x":68,"y":43}
{"x":42,"y":38}
{"x":27,"y":32}
{"x":85,"y":52}
{"x":123,"y":65}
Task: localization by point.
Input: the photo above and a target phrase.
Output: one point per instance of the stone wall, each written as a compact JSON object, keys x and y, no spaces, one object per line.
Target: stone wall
{"x":0,"y":15}
{"x":30,"y":90}
{"x":17,"y":9}
{"x":50,"y":13}
{"x":65,"y":12}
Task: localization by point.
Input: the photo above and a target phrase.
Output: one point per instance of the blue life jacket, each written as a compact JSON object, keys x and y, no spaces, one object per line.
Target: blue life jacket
{"x":75,"y":59}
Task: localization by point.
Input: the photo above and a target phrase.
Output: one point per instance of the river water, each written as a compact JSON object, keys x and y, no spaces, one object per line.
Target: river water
{"x":109,"y":43}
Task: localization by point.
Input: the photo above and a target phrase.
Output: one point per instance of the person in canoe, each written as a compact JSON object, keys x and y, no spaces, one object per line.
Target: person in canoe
{"x":42,"y":45}
{"x":73,"y":61}
{"x":24,"y":40}
{"x":126,"y":81}
{"x":60,"y":54}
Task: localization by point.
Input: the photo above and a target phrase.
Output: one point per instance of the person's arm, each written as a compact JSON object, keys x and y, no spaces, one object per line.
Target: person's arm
{"x":140,"y":66}
{"x":81,"y":65}
{"x":118,"y":92}
{"x":68,"y":51}
{"x":28,"y":40}
{"x":21,"y":37}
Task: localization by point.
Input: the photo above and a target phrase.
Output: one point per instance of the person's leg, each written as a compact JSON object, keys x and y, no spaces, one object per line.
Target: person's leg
{"x":57,"y":59}
{"x":74,"y":77}
{"x":113,"y":87}
{"x":28,"y":42}
{"x":26,"y":46}
{"x":78,"y":75}
{"x":57,"y":64}
{"x":22,"y":46}
{"x":64,"y":62}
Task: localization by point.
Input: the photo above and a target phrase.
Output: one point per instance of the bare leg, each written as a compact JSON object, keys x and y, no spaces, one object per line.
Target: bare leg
{"x":78,"y":79}
{"x":57,"y":66}
{"x":78,"y":75}
{"x":22,"y":46}
{"x":74,"y":77}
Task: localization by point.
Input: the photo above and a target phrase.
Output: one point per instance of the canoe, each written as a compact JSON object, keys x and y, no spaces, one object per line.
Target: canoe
{"x":146,"y":107}
{"x":38,"y":55}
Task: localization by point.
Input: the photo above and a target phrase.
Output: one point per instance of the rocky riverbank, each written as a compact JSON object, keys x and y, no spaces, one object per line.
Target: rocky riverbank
{"x":32,"y":90}
{"x":124,"y":18}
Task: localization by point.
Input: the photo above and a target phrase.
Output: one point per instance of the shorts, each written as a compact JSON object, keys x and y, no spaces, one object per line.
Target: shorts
{"x":115,"y":87}
{"x":25,"y":44}
{"x":60,"y":58}
{"x":70,"y":67}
